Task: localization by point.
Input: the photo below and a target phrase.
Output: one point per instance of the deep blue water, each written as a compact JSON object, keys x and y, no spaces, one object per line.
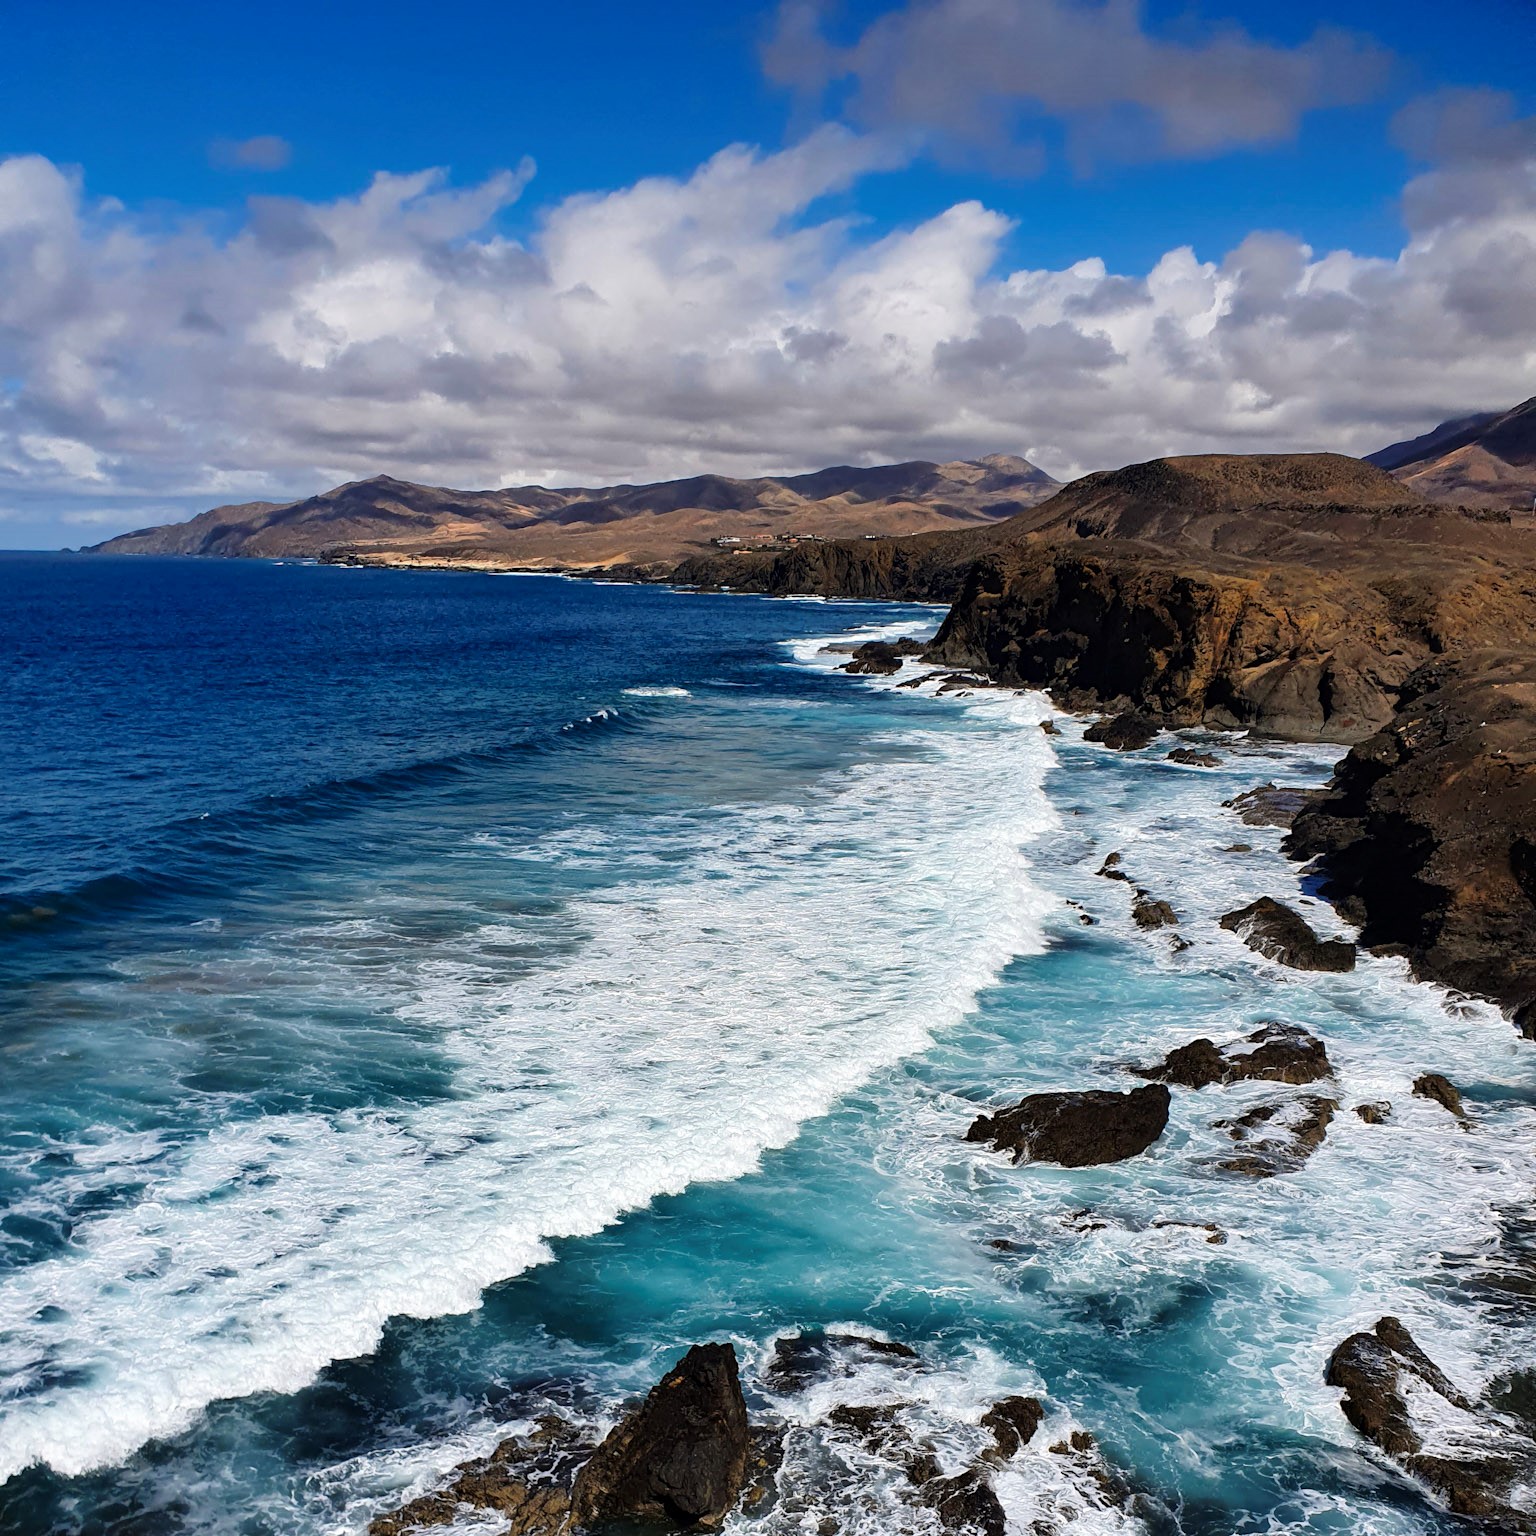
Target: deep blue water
{"x":425,"y":998}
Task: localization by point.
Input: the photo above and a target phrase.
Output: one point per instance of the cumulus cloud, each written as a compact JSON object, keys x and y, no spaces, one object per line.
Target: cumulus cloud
{"x":710,"y":322}
{"x":266,"y":152}
{"x":982,"y":73}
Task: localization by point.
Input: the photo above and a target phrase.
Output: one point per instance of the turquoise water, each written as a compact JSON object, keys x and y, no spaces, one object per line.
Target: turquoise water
{"x":429,"y":998}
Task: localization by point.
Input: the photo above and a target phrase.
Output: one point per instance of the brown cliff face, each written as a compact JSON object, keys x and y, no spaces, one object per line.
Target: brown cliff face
{"x":1428,"y":836}
{"x":1281,"y":650}
{"x":1291,"y":594}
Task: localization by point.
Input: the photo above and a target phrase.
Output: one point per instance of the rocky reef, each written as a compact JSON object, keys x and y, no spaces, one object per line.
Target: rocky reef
{"x":1402,"y":1402}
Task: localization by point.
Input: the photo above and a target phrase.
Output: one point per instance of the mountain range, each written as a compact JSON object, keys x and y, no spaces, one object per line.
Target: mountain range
{"x":388,"y":521}
{"x":1488,"y":460}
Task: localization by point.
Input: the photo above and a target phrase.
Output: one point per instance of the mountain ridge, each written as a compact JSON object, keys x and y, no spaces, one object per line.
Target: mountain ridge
{"x":400,"y":521}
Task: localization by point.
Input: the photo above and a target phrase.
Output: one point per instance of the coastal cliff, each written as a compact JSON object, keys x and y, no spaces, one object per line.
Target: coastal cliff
{"x":1290,"y":594}
{"x":1427,"y":837}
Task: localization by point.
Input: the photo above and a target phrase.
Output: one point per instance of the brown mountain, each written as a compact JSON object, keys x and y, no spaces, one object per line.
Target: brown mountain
{"x":388,"y":521}
{"x":1487,"y":460}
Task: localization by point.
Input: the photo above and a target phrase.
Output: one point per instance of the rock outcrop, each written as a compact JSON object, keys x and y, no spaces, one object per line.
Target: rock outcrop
{"x":1127,"y":732}
{"x":1077,"y":1130}
{"x":1278,"y":933}
{"x":1427,"y":837}
{"x":1278,"y":1138}
{"x":1281,"y":1053}
{"x":526,"y":1480}
{"x":680,"y":1457}
{"x":1402,"y":1402}
{"x":1440,"y":1089}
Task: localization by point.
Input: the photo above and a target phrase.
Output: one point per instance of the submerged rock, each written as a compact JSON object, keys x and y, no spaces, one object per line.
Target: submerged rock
{"x":1377,"y":1113}
{"x":1193,"y":759}
{"x":1077,"y":1130}
{"x":1402,"y":1402}
{"x":812,"y":1355}
{"x":1278,"y":933}
{"x":680,"y":1457}
{"x":1431,"y":1085}
{"x":1302,"y":1126}
{"x":1127,"y":732}
{"x":1282,"y":1053}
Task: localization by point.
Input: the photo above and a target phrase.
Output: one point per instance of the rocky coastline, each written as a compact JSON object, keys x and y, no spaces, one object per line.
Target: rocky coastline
{"x":1300,"y":600}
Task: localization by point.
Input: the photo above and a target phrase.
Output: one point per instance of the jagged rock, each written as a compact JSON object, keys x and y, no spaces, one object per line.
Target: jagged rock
{"x":1110,"y":869}
{"x":1077,"y":1130}
{"x":1050,"y":728}
{"x":1152,"y":914}
{"x":1127,"y":732}
{"x":1377,"y":1113}
{"x":1013,"y":1422}
{"x":965,"y":1502}
{"x":680,"y":1457}
{"x":880,"y":658}
{"x":1271,"y":805}
{"x":526,"y":1479}
{"x":1193,"y":759}
{"x":1442,"y":1090}
{"x":1278,"y":933}
{"x":1282,"y":1053}
{"x":1469,"y":1458}
{"x":801,"y":1358}
{"x":1302,"y":1124}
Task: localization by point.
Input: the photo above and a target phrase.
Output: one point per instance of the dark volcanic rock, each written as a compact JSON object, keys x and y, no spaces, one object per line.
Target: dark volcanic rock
{"x":1193,"y":759}
{"x":526,"y":1480}
{"x":1110,"y":868}
{"x":1149,"y":913}
{"x":880,"y":658}
{"x":1428,"y":834}
{"x":801,"y":1358}
{"x":1127,"y":732}
{"x":681,"y":1456}
{"x":1441,"y":1089}
{"x":965,"y":1502}
{"x":1300,"y":1128}
{"x":1376,"y":1113}
{"x":1384,"y":1374}
{"x":1077,"y":1129}
{"x":1278,"y":933}
{"x":1282,"y":1053}
{"x":1271,"y":805}
{"x":1013,"y":1422}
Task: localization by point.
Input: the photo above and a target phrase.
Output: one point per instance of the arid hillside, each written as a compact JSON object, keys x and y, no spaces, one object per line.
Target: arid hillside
{"x":1487,"y":460}
{"x":387,"y":521}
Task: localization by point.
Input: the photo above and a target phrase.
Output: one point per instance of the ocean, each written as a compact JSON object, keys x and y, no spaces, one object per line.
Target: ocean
{"x":428,"y":999}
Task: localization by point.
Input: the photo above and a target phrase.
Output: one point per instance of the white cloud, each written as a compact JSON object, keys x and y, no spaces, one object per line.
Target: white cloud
{"x":981,"y":73}
{"x":266,"y":152}
{"x":710,"y":322}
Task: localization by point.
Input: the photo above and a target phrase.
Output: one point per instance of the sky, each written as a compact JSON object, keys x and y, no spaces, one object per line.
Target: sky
{"x":252,"y":252}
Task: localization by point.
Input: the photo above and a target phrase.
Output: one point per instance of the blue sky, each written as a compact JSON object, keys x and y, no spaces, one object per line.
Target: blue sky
{"x":149,"y":107}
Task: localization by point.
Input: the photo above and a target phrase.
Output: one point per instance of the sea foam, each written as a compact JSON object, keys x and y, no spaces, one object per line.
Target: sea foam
{"x":674,"y":1030}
